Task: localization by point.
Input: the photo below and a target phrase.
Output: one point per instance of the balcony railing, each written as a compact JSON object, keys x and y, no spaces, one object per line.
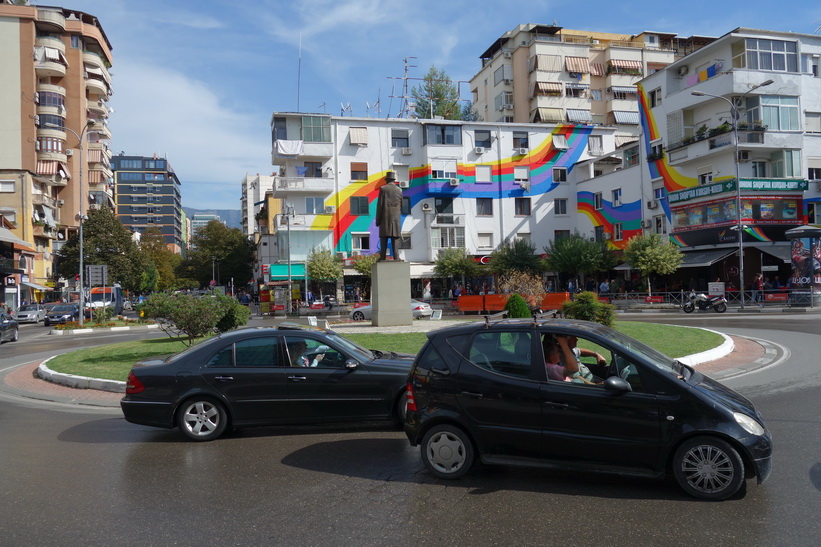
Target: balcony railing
{"x":284,"y":185}
{"x":449,"y":219}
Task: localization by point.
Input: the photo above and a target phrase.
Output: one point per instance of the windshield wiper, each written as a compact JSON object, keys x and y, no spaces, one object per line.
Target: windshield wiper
{"x":376,"y":353}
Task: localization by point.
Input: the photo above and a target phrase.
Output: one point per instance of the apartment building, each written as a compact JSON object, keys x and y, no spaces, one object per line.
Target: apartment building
{"x":148,"y":195}
{"x":254,"y":188}
{"x":54,"y":155}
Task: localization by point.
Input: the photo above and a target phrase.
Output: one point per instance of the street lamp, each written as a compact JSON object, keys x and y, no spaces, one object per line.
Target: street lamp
{"x":289,"y":211}
{"x":740,"y":225}
{"x":81,"y":216}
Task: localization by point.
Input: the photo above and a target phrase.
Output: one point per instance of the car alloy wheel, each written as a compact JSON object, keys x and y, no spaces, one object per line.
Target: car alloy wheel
{"x":447,"y":451}
{"x":202,"y":419}
{"x":708,"y":468}
{"x":358,"y":316}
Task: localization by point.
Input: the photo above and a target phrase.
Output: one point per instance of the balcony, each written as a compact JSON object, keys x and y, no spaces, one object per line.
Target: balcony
{"x":51,"y":19}
{"x":303,"y":185}
{"x":52,"y":156}
{"x":8,"y":265}
{"x":96,"y":86}
{"x":52,"y":69}
{"x":309,"y":150}
{"x":101,"y":130}
{"x":97,"y":109}
{"x":301,"y":222}
{"x":42,"y":199}
{"x":449,"y":219}
{"x":44,"y":230}
{"x":50,"y":41}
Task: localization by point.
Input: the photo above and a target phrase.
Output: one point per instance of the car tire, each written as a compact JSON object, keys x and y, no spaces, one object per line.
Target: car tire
{"x":708,"y":468}
{"x":402,"y":408}
{"x":358,"y":316}
{"x":45,"y":323}
{"x":202,"y":419}
{"x":447,"y":451}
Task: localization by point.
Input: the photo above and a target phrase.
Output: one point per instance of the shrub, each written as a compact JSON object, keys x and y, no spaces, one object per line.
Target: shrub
{"x":517,"y":307}
{"x":587,"y":307}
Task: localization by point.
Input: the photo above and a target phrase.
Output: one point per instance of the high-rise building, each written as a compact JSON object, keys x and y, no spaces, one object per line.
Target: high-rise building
{"x":54,"y":156}
{"x":148,"y":195}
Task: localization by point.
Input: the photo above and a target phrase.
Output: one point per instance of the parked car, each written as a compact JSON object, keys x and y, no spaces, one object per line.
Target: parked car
{"x":62,"y":313}
{"x":418,"y":309}
{"x":482,"y":391}
{"x":31,"y":313}
{"x":263,"y":376}
{"x":9,"y":328}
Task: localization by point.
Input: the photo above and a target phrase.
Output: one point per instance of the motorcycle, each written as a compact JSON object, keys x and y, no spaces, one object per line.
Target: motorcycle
{"x":704,"y":302}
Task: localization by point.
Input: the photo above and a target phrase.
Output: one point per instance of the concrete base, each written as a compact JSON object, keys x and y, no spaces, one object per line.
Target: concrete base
{"x":390,"y":293}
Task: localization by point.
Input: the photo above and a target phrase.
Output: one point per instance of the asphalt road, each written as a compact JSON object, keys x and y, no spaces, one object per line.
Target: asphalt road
{"x":73,"y":475}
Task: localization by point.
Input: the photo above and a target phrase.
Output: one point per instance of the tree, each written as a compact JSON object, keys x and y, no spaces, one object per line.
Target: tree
{"x":519,"y":256}
{"x":323,"y":265}
{"x":470,"y":114}
{"x":163,"y":260}
{"x":192,"y":316}
{"x":528,"y":286}
{"x":652,"y":254}
{"x":105,"y":242}
{"x":455,"y":262}
{"x":363,"y":264}
{"x":439,"y":90}
{"x":226,"y":253}
{"x":576,"y":255}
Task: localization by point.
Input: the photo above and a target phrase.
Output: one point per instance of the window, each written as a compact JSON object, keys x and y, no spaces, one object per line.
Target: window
{"x":520,"y":139}
{"x":314,"y":206}
{"x":50,"y":121}
{"x":759,"y":169}
{"x":400,"y":138}
{"x":503,"y":352}
{"x":660,"y":193}
{"x":560,"y":174}
{"x":484,"y":207}
{"x":360,"y":242}
{"x":443,"y":205}
{"x":617,"y":231}
{"x":131,"y":164}
{"x":780,"y":113}
{"x":49,"y":98}
{"x":484,"y":173}
{"x":406,"y":206}
{"x":312,"y":169}
{"x":814,"y":173}
{"x":560,"y":234}
{"x":358,"y":135}
{"x":812,"y":122}
{"x":560,"y":206}
{"x":504,"y":72}
{"x":484,"y":240}
{"x":504,"y":101}
{"x":442,"y":174}
{"x":446,"y":237}
{"x":594,"y":145}
{"x":521,"y":174}
{"x":660,"y":224}
{"x":7,"y":186}
{"x":51,"y":144}
{"x":598,"y":233}
{"x":597,"y":201}
{"x":316,"y":128}
{"x":774,"y":55}
{"x":596,"y":95}
{"x":75,"y":41}
{"x":443,"y":134}
{"x":523,"y":236}
{"x":631,"y":156}
{"x":280,"y":129}
{"x":655,"y":97}
{"x":616,"y":194}
{"x":359,"y":171}
{"x":522,"y":207}
{"x":705,"y":177}
{"x":359,"y":205}
{"x":786,"y":163}
{"x":481,"y":137}
{"x":405,"y":241}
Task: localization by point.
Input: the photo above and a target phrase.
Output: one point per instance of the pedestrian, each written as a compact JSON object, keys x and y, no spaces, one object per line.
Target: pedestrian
{"x":758,"y":286}
{"x":357,"y":296}
{"x":604,"y":288}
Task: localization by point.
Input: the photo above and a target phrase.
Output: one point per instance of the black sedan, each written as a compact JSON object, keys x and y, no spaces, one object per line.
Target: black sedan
{"x":62,"y":313}
{"x":9,"y":329}
{"x":266,"y":376}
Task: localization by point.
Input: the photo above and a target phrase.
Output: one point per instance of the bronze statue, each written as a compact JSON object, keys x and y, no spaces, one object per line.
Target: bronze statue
{"x":388,"y":211}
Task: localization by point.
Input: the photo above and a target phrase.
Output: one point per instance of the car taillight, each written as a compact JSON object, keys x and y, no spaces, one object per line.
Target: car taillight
{"x":133,"y":384}
{"x":419,"y":308}
{"x":411,"y":400}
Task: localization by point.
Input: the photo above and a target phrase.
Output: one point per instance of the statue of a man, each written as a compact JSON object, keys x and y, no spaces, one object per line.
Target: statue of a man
{"x":388,"y":211}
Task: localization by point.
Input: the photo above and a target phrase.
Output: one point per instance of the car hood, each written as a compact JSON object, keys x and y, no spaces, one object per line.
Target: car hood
{"x":402,"y":360}
{"x":721,"y":393}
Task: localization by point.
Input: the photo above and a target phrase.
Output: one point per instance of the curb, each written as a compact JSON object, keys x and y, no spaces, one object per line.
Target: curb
{"x":55,"y":332}
{"x":723,"y":350}
{"x":79,"y":382}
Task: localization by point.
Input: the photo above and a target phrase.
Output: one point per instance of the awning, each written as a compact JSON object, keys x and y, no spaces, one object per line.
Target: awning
{"x":781,"y":251}
{"x":7,"y":236}
{"x":280,"y":271}
{"x":579,"y":116}
{"x":597,"y":69}
{"x":699,"y":259}
{"x":95,"y":155}
{"x":96,"y":177}
{"x":358,"y":135}
{"x":35,"y":286}
{"x":555,"y":115}
{"x":547,"y":87}
{"x":622,"y":140}
{"x":420,"y":271}
{"x":624,"y":63}
{"x":628,"y":118}
{"x":574,"y":85}
{"x":49,"y":217}
{"x":46,"y":167}
{"x":624,"y":89}
{"x":626,"y":267}
{"x":577,"y":64}
{"x":547,"y":63}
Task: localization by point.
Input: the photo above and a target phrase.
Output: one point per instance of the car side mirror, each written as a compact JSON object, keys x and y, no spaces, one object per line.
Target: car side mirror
{"x":614,"y":383}
{"x":351,"y":364}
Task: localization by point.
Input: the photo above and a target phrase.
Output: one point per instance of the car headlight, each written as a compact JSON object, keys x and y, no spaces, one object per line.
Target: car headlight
{"x":750,"y":425}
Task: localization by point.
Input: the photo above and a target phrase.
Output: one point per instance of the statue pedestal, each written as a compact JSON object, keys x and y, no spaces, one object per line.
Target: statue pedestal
{"x":390,"y":293}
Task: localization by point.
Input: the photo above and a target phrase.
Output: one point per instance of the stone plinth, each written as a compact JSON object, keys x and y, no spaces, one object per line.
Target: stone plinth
{"x":390,"y":293}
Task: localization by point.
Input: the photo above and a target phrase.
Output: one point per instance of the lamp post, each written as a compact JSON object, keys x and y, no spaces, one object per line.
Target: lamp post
{"x":80,"y":142}
{"x":289,"y":210}
{"x":740,"y":225}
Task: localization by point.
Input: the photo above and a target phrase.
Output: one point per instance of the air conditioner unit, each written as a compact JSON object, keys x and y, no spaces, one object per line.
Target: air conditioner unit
{"x":508,"y":81}
{"x":330,"y":209}
{"x":652,"y":203}
{"x":69,"y":152}
{"x":608,"y":235}
{"x":342,"y":255}
{"x":522,"y":151}
{"x":645,"y":223}
{"x":37,"y":146}
{"x":37,"y":120}
{"x":682,"y":70}
{"x":507,"y":106}
{"x":508,"y":54}
{"x":60,"y":202}
{"x":407,"y":151}
{"x":744,"y":155}
{"x":426,"y":206}
{"x":479,"y":150}
{"x":454,"y":182}
{"x":355,"y":252}
{"x":36,"y":97}
{"x":404,"y":184}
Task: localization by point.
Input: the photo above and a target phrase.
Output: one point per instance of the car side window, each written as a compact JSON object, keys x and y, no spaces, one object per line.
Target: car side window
{"x":503,"y":352}
{"x":592,"y":362}
{"x":628,"y":371}
{"x":256,"y":352}
{"x":307,"y":352}
{"x":430,"y":359}
{"x":223,"y":358}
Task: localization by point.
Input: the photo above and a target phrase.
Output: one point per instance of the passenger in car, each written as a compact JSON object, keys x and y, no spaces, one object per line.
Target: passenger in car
{"x":599,"y":369}
{"x":557,"y":350}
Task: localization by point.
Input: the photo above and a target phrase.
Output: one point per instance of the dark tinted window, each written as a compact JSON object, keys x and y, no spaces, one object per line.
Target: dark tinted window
{"x":430,"y":359}
{"x":256,"y":352}
{"x":503,"y":352}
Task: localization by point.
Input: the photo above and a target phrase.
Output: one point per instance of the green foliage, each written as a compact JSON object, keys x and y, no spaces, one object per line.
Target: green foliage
{"x":527,"y":286}
{"x":160,"y":258}
{"x":102,"y":314}
{"x":517,"y":307}
{"x":516,"y":256}
{"x":455,"y":262}
{"x":653,"y":255}
{"x":192,"y":316}
{"x":216,"y":246}
{"x":323,"y":265}
{"x":442,"y":91}
{"x":363,"y":264}
{"x":576,"y":254}
{"x":587,"y":307}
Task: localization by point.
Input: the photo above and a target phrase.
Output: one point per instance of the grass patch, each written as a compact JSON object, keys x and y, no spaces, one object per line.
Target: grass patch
{"x":113,"y":361}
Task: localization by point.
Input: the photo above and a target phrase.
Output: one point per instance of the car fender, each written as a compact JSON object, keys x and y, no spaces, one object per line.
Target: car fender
{"x":195,"y":391}
{"x":442,"y":415}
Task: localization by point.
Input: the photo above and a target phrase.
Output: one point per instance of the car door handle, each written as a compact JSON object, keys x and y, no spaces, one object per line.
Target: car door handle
{"x":473,"y":395}
{"x":297,"y":378}
{"x":224,"y":378}
{"x":551,"y":404}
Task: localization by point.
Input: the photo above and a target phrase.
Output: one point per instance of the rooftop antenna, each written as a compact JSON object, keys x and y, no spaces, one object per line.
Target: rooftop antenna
{"x":345,"y":108}
{"x":298,"y":71}
{"x":322,"y":106}
{"x":375,"y":106}
{"x":406,"y":106}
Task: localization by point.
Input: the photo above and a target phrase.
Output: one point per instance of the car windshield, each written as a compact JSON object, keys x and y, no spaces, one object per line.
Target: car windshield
{"x":28,"y":308}
{"x":350,"y":346}
{"x":659,"y":360}
{"x":62,"y":308}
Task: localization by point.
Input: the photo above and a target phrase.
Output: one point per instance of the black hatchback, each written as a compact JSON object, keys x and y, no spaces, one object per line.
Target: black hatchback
{"x":266,"y":376}
{"x":483,"y":391}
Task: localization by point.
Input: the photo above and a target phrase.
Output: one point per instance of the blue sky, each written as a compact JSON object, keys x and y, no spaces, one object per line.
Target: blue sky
{"x":197,"y":80}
